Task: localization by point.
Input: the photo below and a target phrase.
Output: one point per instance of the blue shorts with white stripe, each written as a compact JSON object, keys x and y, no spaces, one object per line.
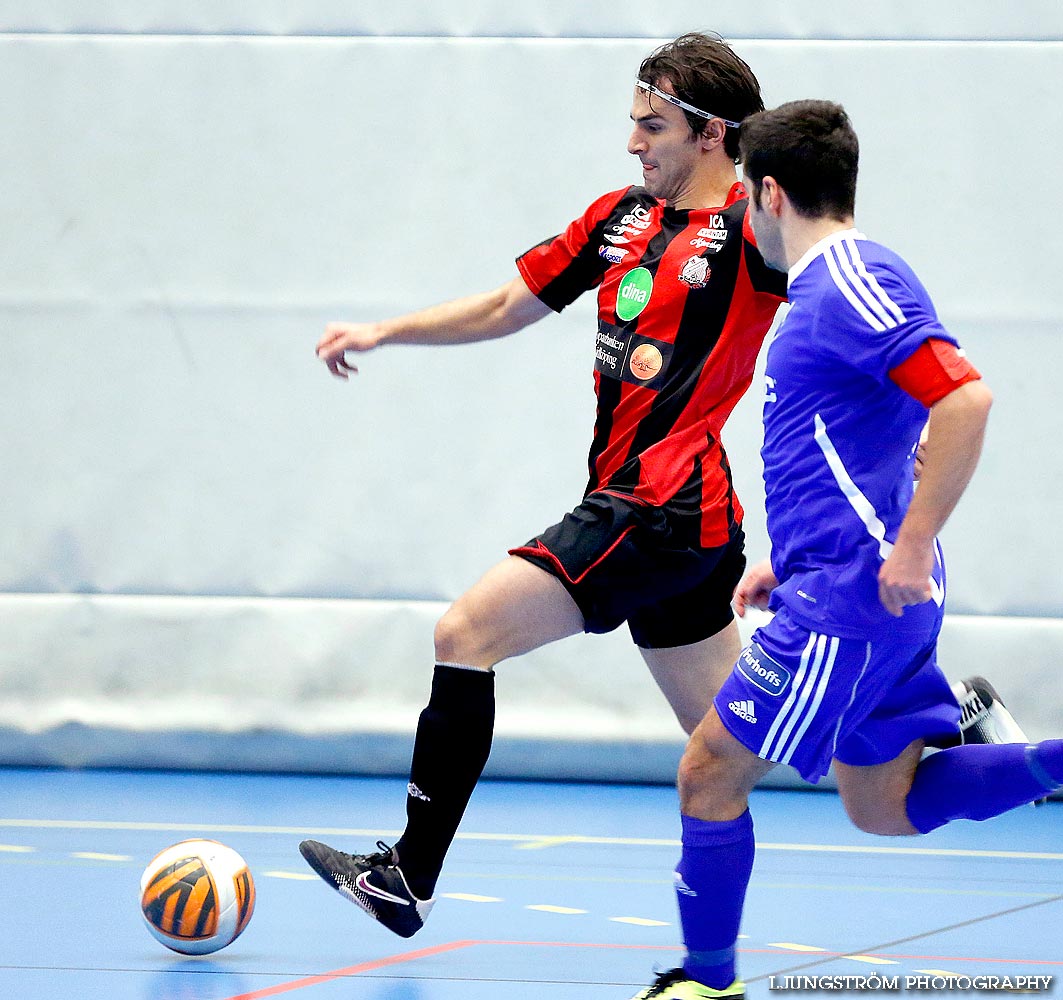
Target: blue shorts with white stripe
{"x":803,"y":698}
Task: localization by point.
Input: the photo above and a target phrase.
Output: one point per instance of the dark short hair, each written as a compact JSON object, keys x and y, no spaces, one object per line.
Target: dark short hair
{"x":810,"y":148}
{"x":705,"y":71}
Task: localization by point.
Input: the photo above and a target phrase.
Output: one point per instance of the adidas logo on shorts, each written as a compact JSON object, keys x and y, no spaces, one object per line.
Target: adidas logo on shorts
{"x":744,"y":710}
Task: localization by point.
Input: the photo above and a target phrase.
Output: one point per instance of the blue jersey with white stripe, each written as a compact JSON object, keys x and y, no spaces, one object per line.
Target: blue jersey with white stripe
{"x":840,"y":435}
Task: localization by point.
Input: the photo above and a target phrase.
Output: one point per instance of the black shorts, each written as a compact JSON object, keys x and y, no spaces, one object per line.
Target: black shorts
{"x":624,"y":560}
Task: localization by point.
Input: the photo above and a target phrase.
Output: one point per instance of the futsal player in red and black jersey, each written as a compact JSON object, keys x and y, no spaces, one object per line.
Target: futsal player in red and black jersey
{"x":684,"y":303}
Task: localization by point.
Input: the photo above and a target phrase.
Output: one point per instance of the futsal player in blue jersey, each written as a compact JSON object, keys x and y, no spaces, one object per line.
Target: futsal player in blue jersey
{"x":846,"y":669}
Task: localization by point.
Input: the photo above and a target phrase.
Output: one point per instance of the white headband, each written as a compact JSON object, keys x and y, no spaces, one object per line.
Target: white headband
{"x":672,"y":99}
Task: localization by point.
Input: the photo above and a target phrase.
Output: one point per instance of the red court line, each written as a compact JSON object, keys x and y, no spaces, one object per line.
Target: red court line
{"x":410,"y":956}
{"x":353,"y":970}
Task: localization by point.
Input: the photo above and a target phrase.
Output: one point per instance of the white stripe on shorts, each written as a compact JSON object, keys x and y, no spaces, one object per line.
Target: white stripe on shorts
{"x":803,"y":701}
{"x":856,"y":686}
{"x":832,"y":651}
{"x":788,"y":706}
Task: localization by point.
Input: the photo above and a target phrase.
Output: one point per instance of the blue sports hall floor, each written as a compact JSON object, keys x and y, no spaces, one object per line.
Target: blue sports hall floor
{"x":552,"y":892}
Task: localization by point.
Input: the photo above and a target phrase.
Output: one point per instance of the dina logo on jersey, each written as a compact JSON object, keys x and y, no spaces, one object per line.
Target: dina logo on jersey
{"x":766,"y":673}
{"x":696,"y":272}
{"x":634,"y":292}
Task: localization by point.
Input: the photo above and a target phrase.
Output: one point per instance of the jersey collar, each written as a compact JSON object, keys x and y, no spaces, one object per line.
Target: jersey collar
{"x":736,"y":193}
{"x":820,"y":248}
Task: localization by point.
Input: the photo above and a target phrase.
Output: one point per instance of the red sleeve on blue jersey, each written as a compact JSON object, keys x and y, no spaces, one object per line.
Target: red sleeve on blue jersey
{"x":563,"y":267}
{"x":935,"y":369}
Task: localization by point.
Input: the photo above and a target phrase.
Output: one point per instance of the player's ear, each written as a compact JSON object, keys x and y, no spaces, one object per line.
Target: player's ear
{"x":713,"y":133}
{"x":772,"y":195}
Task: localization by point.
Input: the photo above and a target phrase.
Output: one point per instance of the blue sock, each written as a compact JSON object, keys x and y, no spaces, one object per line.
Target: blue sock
{"x":710,"y":886}
{"x":980,"y":781}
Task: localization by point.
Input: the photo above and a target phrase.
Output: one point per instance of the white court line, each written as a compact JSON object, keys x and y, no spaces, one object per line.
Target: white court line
{"x":92,"y":856}
{"x":935,"y":852}
{"x":537,"y":840}
{"x":94,"y":824}
{"x":547,"y":908}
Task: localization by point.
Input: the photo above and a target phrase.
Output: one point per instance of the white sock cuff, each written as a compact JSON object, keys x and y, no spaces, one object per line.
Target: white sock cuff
{"x":464,"y":666}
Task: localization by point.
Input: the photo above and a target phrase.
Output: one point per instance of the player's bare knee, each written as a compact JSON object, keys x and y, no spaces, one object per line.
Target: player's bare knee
{"x":694,"y":776}
{"x":458,"y":639}
{"x":452,"y":636}
{"x":703,"y":780}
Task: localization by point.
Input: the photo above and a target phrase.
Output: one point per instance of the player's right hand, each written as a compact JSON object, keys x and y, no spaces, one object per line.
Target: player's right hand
{"x":342,"y":337}
{"x":754,"y":589}
{"x":904,"y":578}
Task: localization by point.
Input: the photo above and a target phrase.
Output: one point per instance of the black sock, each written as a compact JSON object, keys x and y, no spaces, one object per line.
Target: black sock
{"x":452,"y":746}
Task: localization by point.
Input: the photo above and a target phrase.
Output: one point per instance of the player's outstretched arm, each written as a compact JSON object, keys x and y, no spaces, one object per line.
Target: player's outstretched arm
{"x":754,"y":588}
{"x":954,"y":444}
{"x":485,"y":316}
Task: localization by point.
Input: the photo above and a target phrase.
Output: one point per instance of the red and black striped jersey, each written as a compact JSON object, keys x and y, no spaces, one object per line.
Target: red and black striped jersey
{"x":684,"y":303}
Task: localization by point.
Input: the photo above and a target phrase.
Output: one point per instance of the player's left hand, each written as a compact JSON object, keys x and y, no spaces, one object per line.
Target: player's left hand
{"x":904,"y":578}
{"x":342,"y":337}
{"x":754,"y":589}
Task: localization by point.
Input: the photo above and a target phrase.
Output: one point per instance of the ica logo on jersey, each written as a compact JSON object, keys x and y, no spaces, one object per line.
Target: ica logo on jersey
{"x":716,"y":229}
{"x":636,"y":222}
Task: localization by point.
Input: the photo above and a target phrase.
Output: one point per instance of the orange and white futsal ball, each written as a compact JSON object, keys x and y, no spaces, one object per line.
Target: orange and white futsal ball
{"x":197,"y":896}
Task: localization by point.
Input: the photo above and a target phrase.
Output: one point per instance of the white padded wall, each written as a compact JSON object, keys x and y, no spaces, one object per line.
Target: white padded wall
{"x":889,"y":19}
{"x":205,"y":534}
